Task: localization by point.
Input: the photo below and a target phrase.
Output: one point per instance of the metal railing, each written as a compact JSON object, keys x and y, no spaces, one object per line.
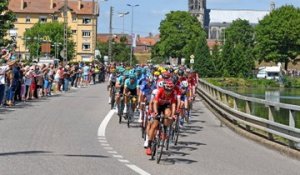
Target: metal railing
{"x":227,"y":102}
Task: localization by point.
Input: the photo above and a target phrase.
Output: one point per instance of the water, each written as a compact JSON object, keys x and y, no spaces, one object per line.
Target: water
{"x":283,"y":95}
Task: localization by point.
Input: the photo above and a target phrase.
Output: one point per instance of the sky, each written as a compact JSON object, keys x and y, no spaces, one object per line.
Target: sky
{"x":148,"y":15}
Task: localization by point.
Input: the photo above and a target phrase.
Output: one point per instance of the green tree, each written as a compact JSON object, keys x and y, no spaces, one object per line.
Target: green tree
{"x":237,"y":52}
{"x":277,"y":36}
{"x":7,"y":19}
{"x":203,"y":62}
{"x":55,"y":31}
{"x":217,"y":61}
{"x":120,"y":51}
{"x":177,"y":32}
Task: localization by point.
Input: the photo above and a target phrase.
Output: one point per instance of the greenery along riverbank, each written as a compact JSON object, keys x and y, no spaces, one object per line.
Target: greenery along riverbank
{"x":241,"y":82}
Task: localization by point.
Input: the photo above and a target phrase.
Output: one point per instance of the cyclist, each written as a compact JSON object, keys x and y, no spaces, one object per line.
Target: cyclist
{"x":184,"y":91}
{"x":164,"y":102}
{"x":112,"y":82}
{"x":130,"y":88}
{"x":120,"y":85}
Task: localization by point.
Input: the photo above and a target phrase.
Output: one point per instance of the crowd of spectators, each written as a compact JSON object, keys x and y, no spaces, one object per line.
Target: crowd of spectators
{"x":19,"y":82}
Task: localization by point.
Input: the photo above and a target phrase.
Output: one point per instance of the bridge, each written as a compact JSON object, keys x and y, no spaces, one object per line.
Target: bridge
{"x":77,"y":133}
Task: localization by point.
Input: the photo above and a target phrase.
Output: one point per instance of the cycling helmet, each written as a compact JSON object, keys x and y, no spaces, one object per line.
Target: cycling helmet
{"x":184,"y":84}
{"x":160,"y":84}
{"x":188,"y":70}
{"x":169,"y":85}
{"x":180,"y":72}
{"x":171,"y":70}
{"x":126,"y":74}
{"x":138,"y":69}
{"x":166,"y":75}
{"x":156,"y":73}
{"x":132,"y":76}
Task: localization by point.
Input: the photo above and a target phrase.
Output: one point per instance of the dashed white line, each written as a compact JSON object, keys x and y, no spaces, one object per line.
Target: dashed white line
{"x":137,"y":169}
{"x":112,"y":152}
{"x":123,"y":160}
{"x":117,"y":156}
{"x":102,"y":140}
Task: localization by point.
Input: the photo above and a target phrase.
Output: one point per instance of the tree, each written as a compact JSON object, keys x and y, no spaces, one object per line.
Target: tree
{"x":120,"y":51}
{"x":177,"y":32}
{"x":55,"y":32}
{"x":217,"y":61}
{"x":203,"y":62}
{"x":277,"y":36}
{"x":7,"y":19}
{"x":237,"y":52}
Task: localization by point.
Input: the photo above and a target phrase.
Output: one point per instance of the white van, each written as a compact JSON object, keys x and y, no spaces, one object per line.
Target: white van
{"x":269,"y":72}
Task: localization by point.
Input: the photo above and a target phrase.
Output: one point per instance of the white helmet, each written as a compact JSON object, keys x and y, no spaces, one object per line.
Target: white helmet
{"x":184,"y":84}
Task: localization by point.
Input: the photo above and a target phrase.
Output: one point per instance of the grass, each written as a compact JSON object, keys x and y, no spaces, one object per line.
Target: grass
{"x":241,"y":82}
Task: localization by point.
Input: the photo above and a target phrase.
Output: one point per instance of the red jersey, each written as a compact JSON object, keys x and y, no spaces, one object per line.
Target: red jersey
{"x":192,"y":80}
{"x":162,"y":98}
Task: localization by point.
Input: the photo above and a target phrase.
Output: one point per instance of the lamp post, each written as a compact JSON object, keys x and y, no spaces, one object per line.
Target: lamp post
{"x":122,"y":15}
{"x":131,"y":51}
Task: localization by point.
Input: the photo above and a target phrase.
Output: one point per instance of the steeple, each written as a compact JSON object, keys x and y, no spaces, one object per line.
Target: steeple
{"x":197,"y":8}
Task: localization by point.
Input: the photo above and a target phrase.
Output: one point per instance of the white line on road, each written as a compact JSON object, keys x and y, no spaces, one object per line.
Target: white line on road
{"x":101,"y":138}
{"x":105,"y":144}
{"x":102,"y":127}
{"x":118,"y":156}
{"x":137,"y":169}
{"x":112,"y":152}
{"x":123,"y":160}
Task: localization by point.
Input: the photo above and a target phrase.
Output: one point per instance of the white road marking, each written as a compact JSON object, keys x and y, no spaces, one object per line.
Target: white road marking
{"x":112,"y":152}
{"x":137,"y":169}
{"x":102,"y":139}
{"x":117,"y":156}
{"x":123,"y":160}
{"x":102,"y":127}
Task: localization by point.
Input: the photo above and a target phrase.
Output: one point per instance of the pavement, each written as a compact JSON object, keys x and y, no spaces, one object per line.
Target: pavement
{"x":77,"y":133}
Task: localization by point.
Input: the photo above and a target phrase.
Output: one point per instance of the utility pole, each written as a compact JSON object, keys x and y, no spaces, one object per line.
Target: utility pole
{"x":110,"y":35}
{"x":132,"y":36}
{"x":65,"y":32}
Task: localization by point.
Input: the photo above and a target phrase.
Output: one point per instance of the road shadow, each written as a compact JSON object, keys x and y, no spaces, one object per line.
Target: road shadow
{"x":176,"y":153}
{"x":17,"y":153}
{"x":48,"y":153}
{"x":172,"y":161}
{"x":190,"y":143}
{"x":179,"y":148}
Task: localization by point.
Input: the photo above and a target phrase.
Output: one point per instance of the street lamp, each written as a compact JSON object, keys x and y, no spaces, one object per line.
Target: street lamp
{"x":122,"y":15}
{"x":131,"y":51}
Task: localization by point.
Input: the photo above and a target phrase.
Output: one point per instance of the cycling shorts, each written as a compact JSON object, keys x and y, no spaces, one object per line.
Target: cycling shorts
{"x":162,"y":108}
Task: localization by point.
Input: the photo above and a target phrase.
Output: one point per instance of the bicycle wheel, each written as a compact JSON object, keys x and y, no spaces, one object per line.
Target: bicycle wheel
{"x":176,"y":132}
{"x":160,"y":148}
{"x":153,"y":149}
{"x":112,"y":104}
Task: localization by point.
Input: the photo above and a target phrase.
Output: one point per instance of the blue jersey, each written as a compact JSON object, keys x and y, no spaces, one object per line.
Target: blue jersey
{"x":147,"y":90}
{"x":130,"y":85}
{"x":120,"y":80}
{"x":141,"y":79}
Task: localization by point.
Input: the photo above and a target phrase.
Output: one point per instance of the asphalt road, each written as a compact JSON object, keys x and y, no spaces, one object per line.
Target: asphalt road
{"x":60,"y":135}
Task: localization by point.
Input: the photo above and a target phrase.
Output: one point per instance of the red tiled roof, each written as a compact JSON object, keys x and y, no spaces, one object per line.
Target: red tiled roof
{"x":43,"y":6}
{"x":212,"y":43}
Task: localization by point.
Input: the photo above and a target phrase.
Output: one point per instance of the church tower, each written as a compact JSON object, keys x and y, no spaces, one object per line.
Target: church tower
{"x":197,"y":8}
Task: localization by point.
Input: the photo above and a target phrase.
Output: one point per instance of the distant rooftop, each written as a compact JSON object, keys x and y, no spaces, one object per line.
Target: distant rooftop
{"x":227,"y":16}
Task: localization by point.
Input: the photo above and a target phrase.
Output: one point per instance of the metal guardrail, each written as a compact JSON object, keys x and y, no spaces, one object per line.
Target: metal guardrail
{"x":225,"y":102}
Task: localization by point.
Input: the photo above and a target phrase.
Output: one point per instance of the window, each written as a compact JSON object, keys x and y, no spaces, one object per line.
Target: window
{"x":86,"y":46}
{"x":86,"y":33}
{"x":74,"y":31}
{"x":27,"y":19}
{"x":86,"y":20}
{"x":43,"y":19}
{"x":85,"y":57}
{"x":55,"y":18}
{"x":74,"y":18}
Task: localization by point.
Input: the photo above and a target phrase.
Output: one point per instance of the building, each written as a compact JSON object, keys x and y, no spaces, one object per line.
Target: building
{"x":215,"y":21}
{"x":142,"y":51}
{"x":81,"y":16}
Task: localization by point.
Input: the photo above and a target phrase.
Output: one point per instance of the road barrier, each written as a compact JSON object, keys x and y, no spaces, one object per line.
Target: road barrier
{"x":227,"y":104}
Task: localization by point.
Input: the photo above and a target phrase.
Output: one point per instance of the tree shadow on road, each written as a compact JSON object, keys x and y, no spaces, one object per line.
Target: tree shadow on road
{"x":172,"y":161}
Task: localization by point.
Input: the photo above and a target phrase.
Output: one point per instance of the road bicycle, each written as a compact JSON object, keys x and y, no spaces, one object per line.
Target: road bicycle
{"x":113,"y":97}
{"x":130,"y":113}
{"x":145,"y":114}
{"x":161,"y":138}
{"x":121,"y":106}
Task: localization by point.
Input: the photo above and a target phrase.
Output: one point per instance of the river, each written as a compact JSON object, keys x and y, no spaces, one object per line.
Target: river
{"x":283,"y":95}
